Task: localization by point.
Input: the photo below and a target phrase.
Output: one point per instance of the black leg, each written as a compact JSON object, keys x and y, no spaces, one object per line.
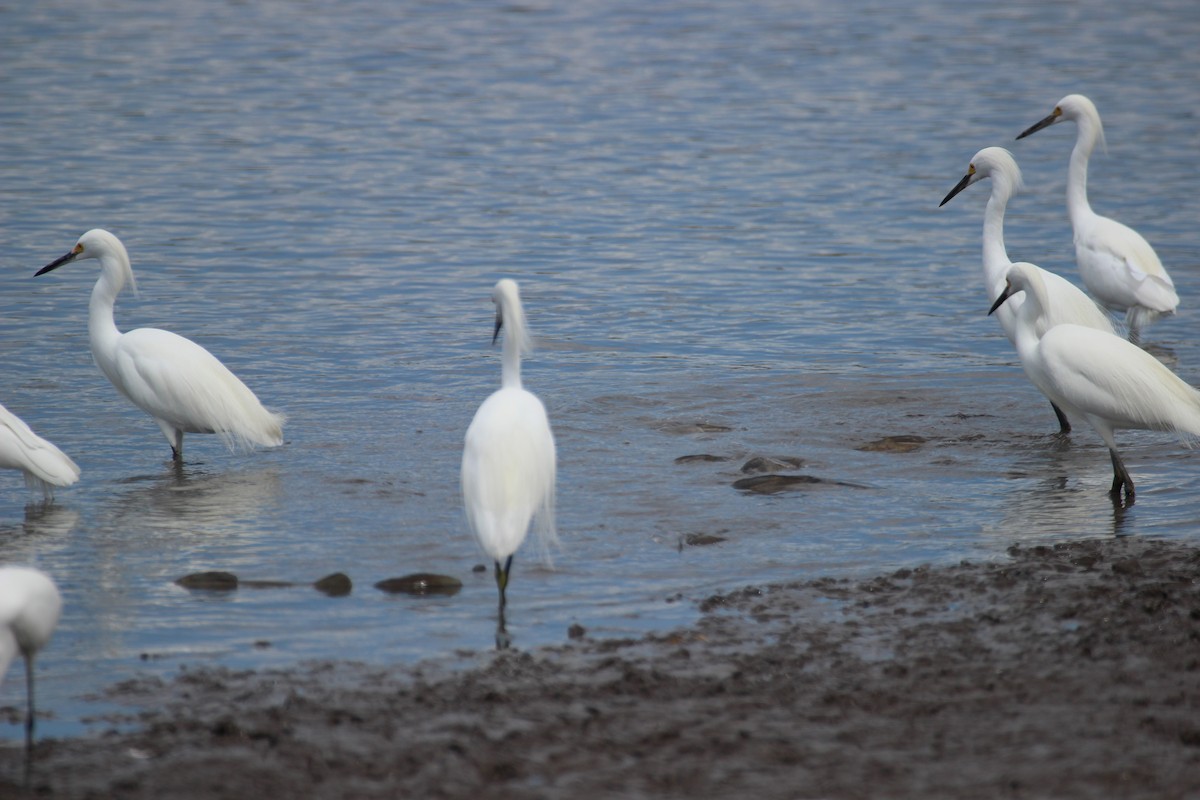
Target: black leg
{"x":1121,"y":480}
{"x":1064,"y":424}
{"x":502,"y":638}
{"x":502,"y":580}
{"x":29,"y":714}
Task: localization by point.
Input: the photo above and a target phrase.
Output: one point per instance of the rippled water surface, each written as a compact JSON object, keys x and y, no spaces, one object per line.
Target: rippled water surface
{"x":724,"y":218}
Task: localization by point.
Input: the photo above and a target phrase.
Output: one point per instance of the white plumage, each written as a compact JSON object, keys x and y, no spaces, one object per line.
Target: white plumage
{"x":44,"y":465}
{"x":1110,"y":382}
{"x":173,"y":379}
{"x":1117,"y":265}
{"x":1067,"y":303}
{"x":508,"y":465}
{"x":29,"y":609}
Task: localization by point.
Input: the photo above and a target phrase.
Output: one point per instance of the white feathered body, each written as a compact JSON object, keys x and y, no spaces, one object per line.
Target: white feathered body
{"x":1120,"y":268}
{"x":1109,"y":378}
{"x":508,"y":472}
{"x":30,"y":606}
{"x":184,"y":387}
{"x":1113,"y":383}
{"x":43,"y":464}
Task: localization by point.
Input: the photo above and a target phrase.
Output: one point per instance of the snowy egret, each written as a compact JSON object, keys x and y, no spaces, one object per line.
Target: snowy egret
{"x":173,"y":379}
{"x":1117,"y":265}
{"x":1110,"y":382}
{"x":29,"y":608}
{"x":44,"y":465}
{"x":508,"y":465}
{"x":1067,"y":302}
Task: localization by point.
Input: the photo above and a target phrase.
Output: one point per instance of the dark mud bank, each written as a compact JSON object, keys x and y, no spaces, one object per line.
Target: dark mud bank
{"x":1066,"y":671}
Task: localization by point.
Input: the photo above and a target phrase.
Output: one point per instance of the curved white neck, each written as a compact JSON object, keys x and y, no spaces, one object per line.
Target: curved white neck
{"x":1085,"y":143}
{"x":510,"y":369}
{"x":995,"y":256}
{"x":102,"y":327}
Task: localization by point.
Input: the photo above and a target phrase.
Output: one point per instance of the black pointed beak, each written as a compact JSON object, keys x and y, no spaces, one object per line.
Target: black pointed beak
{"x":958,"y":187}
{"x":56,"y":263}
{"x":499,"y":325}
{"x":1000,"y":300}
{"x":1045,"y":123}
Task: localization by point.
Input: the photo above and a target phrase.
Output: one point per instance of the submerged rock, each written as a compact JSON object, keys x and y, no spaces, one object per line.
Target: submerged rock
{"x":421,"y":583}
{"x":213,"y":581}
{"x":774,"y":464}
{"x":683,"y":428}
{"x":705,"y":457}
{"x":893,"y":444}
{"x":773,"y":484}
{"x":335,"y":585}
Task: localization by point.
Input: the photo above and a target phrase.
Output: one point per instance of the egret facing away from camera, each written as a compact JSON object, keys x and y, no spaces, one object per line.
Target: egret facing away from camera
{"x":1067,"y":303}
{"x":44,"y":465}
{"x":173,"y":379}
{"x":29,"y":609}
{"x":1117,"y":265}
{"x":1110,"y":382}
{"x":508,"y":465}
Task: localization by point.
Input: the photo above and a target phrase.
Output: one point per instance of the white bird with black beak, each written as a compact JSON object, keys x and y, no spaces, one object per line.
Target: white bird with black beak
{"x":508,"y":464}
{"x":1110,"y":382}
{"x":1117,"y":265}
{"x":1067,"y":302}
{"x":173,"y":379}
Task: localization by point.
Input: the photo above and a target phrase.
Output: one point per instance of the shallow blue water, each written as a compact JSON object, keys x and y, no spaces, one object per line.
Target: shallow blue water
{"x":720,"y":213}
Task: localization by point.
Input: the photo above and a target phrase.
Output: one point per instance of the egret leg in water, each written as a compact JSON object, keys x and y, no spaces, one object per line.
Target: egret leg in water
{"x":1102,"y":378}
{"x":44,"y":465}
{"x":29,"y":609}
{"x":173,"y":379}
{"x":1117,"y":265}
{"x":1066,"y":302}
{"x":508,"y":465}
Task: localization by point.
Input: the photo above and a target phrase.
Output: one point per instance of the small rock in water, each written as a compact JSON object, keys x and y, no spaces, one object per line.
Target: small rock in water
{"x":702,"y":539}
{"x":266,"y":584}
{"x":893,"y":444}
{"x":576,"y":631}
{"x":761,"y":464}
{"x":421,"y":583}
{"x":700,"y":457}
{"x":214,"y":581}
{"x":693,"y":427}
{"x":773,"y":484}
{"x":479,"y":568}
{"x":336,"y":585}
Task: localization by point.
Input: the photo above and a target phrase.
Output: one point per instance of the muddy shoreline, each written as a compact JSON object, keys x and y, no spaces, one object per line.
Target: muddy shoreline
{"x":1064,"y":671}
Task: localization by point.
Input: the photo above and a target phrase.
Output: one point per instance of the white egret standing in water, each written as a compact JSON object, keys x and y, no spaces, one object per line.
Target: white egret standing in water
{"x":1067,"y":303}
{"x":173,"y":379}
{"x":44,"y":465}
{"x":1117,"y":265}
{"x":1110,"y":382}
{"x":29,"y":609}
{"x":508,"y":465}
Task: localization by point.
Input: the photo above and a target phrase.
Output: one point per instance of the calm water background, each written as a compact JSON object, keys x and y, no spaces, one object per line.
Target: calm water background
{"x":721,"y":214}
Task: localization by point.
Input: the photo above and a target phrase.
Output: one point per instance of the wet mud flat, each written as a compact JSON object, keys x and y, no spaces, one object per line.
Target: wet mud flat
{"x":1064,"y":671}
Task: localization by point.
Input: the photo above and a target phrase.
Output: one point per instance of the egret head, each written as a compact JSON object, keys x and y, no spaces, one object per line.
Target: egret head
{"x":990,"y":162}
{"x":97,"y":243}
{"x":510,"y":314}
{"x":1073,"y":107}
{"x":1021,"y":277}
